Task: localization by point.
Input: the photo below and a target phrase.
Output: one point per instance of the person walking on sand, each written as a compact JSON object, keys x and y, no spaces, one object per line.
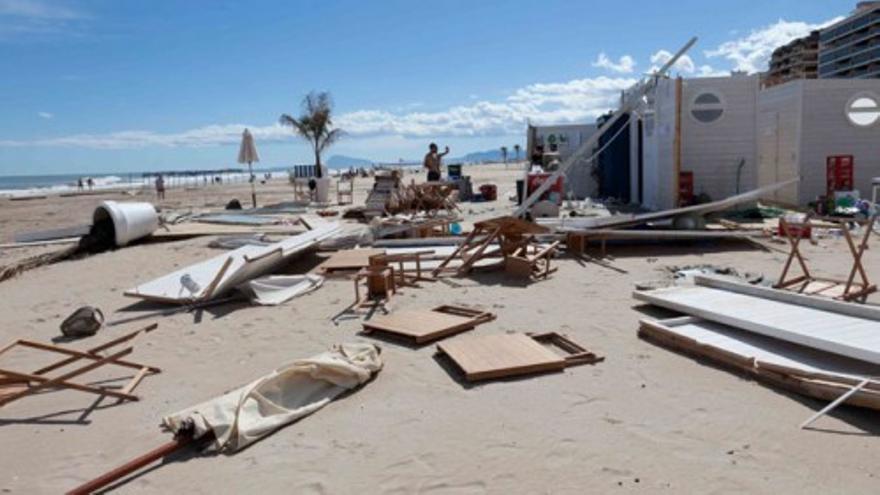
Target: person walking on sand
{"x":160,"y":187}
{"x":433,"y":162}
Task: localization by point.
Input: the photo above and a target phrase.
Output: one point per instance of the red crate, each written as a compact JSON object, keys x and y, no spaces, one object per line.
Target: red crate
{"x":839,"y":174}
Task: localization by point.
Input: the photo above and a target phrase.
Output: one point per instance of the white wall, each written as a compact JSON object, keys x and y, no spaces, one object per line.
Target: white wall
{"x":826,"y":131}
{"x":778,"y":126}
{"x":713,"y":151}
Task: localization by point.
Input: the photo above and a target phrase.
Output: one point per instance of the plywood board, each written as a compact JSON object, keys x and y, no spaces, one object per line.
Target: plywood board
{"x":822,"y":329}
{"x":427,"y":325}
{"x":348,"y":260}
{"x":503,"y":355}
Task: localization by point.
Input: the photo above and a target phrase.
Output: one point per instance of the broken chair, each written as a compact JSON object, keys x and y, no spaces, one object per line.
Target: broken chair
{"x":15,"y":385}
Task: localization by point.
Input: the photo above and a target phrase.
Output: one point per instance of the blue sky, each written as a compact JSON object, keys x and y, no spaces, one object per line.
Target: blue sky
{"x":106,"y":85}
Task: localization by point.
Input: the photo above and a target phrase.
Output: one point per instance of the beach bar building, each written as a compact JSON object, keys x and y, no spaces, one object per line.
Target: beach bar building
{"x":717,"y":137}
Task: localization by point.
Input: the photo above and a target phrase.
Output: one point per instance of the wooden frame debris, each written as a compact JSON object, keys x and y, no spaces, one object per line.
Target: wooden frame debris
{"x":769,"y":361}
{"x":845,"y":290}
{"x":496,"y":356}
{"x":511,"y":234}
{"x":15,"y":385}
{"x":827,"y":325}
{"x":422,"y":326}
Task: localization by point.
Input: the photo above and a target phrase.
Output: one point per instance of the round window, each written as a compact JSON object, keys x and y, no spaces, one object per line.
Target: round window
{"x":863,"y":110}
{"x":707,"y":108}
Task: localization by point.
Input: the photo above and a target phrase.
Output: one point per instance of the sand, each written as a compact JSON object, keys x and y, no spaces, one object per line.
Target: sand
{"x":645,"y":420}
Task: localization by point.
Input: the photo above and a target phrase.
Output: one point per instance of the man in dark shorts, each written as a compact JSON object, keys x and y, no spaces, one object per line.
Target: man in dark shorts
{"x":432,"y":162}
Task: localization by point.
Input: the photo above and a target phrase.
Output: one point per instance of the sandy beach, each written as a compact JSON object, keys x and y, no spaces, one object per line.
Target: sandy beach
{"x":645,"y":420}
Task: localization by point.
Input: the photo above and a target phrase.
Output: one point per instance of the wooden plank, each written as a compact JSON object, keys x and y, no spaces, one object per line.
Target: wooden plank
{"x":836,"y":333}
{"x":424,"y":326}
{"x":503,"y":355}
{"x":348,"y":259}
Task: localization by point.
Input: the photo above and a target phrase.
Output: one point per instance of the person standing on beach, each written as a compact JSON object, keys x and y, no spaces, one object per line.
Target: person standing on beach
{"x":160,"y":187}
{"x":79,"y":184}
{"x":91,"y":183}
{"x":433,"y":162}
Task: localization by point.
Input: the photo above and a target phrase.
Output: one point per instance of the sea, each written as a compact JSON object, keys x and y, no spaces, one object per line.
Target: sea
{"x":40,"y":185}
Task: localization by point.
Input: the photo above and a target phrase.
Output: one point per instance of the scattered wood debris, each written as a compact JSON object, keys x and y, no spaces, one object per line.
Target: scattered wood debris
{"x":422,"y":326}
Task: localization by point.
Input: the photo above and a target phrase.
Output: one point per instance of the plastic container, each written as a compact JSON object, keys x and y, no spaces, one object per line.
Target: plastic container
{"x":130,"y":221}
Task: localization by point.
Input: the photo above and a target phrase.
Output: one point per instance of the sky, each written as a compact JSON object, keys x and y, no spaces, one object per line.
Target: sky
{"x":126,"y":86}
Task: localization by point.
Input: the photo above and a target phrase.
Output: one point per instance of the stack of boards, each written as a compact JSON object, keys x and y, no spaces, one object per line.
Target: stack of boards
{"x":812,"y":346}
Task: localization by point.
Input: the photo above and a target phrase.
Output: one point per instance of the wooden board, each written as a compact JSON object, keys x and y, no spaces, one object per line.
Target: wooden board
{"x":348,"y":260}
{"x":423,"y":326}
{"x":503,"y":355}
{"x":800,"y":321}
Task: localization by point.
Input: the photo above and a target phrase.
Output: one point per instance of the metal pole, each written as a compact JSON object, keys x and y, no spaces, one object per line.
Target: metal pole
{"x":631,"y":102}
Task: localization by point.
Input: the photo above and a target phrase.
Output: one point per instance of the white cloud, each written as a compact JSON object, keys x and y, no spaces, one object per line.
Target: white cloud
{"x":624,"y":65}
{"x":751,"y":53}
{"x":573,"y":101}
{"x":38,"y":18}
{"x":37,"y":9}
{"x":684,"y":64}
{"x":46,"y":115}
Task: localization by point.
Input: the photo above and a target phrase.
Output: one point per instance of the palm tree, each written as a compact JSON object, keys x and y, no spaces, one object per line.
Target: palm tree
{"x":504,"y":154}
{"x":517,"y":149}
{"x":315,"y":124}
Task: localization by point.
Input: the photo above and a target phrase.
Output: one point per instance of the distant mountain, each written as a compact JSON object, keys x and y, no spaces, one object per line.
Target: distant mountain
{"x":342,"y":161}
{"x":484,"y":157}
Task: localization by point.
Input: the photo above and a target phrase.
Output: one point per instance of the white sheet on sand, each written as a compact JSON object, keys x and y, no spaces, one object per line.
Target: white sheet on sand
{"x":291,"y":392}
{"x":216,"y":276}
{"x":278,"y":289}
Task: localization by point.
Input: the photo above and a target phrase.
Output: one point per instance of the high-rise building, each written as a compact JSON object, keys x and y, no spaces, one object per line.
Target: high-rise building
{"x":796,"y":60}
{"x":851,"y":48}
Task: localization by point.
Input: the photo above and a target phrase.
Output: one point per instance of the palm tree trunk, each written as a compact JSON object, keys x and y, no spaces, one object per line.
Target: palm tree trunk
{"x":318,"y":173}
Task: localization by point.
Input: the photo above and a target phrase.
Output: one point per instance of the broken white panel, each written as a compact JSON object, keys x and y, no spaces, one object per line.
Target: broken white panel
{"x":799,"y":323}
{"x":220,"y":274}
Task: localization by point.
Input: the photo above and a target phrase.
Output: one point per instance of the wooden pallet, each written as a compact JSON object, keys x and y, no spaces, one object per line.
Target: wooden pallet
{"x":422,"y":326}
{"x":505,"y":355}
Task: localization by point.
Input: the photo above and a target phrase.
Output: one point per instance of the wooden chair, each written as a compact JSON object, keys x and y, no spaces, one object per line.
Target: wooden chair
{"x":531,"y":266}
{"x":15,"y":385}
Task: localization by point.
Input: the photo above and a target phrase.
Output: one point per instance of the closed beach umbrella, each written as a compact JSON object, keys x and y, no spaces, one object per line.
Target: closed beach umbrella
{"x":247,"y":153}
